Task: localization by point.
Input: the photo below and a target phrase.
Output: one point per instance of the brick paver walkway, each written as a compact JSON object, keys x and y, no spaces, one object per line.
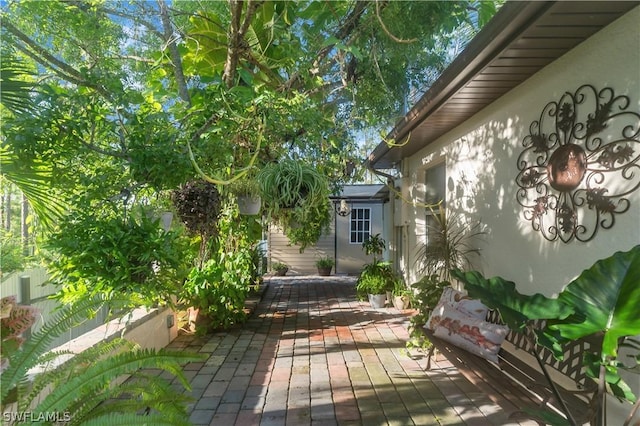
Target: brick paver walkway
{"x":311,"y":354}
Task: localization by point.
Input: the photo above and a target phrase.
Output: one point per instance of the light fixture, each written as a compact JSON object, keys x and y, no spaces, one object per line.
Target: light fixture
{"x":343,"y":209}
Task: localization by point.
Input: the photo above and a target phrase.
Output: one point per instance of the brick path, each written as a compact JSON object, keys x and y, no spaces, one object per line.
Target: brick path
{"x":311,"y":354}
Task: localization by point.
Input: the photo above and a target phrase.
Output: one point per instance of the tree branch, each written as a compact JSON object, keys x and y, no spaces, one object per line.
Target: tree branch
{"x":176,"y":59}
{"x":347,"y":28}
{"x":39,"y":54}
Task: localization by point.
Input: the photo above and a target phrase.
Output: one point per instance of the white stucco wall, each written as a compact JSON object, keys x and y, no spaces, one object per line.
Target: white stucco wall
{"x":481,"y":169}
{"x":481,"y":166}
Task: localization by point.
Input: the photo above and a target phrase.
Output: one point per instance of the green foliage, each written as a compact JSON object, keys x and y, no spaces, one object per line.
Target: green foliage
{"x":426,"y":294}
{"x":83,"y":386}
{"x":515,"y":308}
{"x":400,"y":288}
{"x":374,"y":245}
{"x":279,"y":266}
{"x":296,"y":197}
{"x":375,"y":278}
{"x":450,"y":245}
{"x":218,"y":288}
{"x":10,"y":253}
{"x":248,"y":186}
{"x":325,"y":263}
{"x":110,"y":255}
{"x":602,"y":301}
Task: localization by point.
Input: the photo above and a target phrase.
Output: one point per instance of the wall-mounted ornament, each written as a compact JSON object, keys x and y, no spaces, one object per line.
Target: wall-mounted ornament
{"x":580,"y":163}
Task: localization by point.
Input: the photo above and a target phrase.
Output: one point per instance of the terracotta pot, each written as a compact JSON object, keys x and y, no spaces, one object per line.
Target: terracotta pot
{"x":199,"y":322}
{"x":324,"y":272}
{"x":281,"y":272}
{"x":401,"y":302}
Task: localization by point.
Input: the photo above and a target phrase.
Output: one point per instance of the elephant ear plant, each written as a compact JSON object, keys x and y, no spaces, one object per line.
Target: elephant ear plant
{"x":602,"y":302}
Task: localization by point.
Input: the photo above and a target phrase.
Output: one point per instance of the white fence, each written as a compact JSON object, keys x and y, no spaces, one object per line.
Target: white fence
{"x":31,"y":287}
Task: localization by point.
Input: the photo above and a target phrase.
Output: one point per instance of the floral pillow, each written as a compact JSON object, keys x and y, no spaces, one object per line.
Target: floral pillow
{"x":460,"y":301}
{"x":472,"y":334}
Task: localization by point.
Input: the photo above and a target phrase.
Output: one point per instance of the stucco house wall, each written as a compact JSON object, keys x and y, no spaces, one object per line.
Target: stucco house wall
{"x":481,"y":156}
{"x":481,"y":167}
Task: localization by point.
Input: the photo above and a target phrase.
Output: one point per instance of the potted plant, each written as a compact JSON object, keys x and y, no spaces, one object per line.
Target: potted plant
{"x":401,"y":295}
{"x":247,"y":193}
{"x":450,"y":245}
{"x":324,"y":265}
{"x":375,"y":280}
{"x":280,"y":269}
{"x":374,"y":245}
{"x":296,"y":197}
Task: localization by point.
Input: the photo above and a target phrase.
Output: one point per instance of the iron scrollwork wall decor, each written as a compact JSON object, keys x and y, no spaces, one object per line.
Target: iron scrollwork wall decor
{"x":579,"y":164}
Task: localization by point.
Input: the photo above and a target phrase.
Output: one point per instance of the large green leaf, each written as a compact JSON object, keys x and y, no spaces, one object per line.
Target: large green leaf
{"x":608,"y":294}
{"x":516,"y":309}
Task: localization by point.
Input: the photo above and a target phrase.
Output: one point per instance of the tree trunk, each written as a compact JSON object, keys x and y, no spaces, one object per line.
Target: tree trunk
{"x":6,"y":208}
{"x":24,"y":228}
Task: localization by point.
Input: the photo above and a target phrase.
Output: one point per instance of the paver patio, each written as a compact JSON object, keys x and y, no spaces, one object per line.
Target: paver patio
{"x":312,"y":354}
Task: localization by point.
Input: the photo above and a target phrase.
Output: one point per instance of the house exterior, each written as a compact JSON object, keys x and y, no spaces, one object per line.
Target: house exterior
{"x":359,"y":211}
{"x":486,"y":138}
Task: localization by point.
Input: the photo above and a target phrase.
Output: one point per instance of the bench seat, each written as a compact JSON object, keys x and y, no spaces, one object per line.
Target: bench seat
{"x":517,"y":382}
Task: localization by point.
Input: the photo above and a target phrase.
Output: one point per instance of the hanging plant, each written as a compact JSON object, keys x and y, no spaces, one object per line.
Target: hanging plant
{"x":198,"y":206}
{"x":297,"y":198}
{"x":247,"y":192}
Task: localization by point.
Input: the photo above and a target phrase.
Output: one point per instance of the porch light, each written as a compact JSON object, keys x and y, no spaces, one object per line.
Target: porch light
{"x":343,"y":209}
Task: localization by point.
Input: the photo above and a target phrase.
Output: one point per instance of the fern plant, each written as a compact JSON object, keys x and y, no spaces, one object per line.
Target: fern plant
{"x":83,"y":390}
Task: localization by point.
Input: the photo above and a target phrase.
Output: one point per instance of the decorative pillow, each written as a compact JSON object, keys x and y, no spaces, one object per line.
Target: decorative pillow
{"x":472,"y":334}
{"x":460,"y":301}
{"x":472,"y":307}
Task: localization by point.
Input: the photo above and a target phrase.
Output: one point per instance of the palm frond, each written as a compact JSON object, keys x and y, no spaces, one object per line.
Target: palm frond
{"x":34,"y":180}
{"x":14,"y":83}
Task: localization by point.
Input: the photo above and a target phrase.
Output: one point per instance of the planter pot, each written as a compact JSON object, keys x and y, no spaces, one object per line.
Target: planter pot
{"x":165,"y":219}
{"x":401,"y":302}
{"x":249,"y":205}
{"x":324,"y":272}
{"x":281,"y":272}
{"x":199,"y":322}
{"x":377,"y":301}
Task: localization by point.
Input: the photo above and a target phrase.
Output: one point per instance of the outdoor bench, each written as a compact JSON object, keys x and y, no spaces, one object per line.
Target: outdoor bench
{"x":517,"y":382}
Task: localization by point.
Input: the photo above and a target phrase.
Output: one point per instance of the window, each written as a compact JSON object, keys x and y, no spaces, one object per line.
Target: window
{"x":360,"y":228}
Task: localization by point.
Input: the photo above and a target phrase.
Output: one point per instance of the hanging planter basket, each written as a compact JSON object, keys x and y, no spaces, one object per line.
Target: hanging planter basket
{"x":249,"y":204}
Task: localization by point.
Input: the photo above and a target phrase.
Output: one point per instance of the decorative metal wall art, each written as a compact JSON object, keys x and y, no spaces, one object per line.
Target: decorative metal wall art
{"x":579,"y":164}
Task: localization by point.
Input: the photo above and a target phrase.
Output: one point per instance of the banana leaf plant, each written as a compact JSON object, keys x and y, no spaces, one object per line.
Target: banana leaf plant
{"x":603,"y":301}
